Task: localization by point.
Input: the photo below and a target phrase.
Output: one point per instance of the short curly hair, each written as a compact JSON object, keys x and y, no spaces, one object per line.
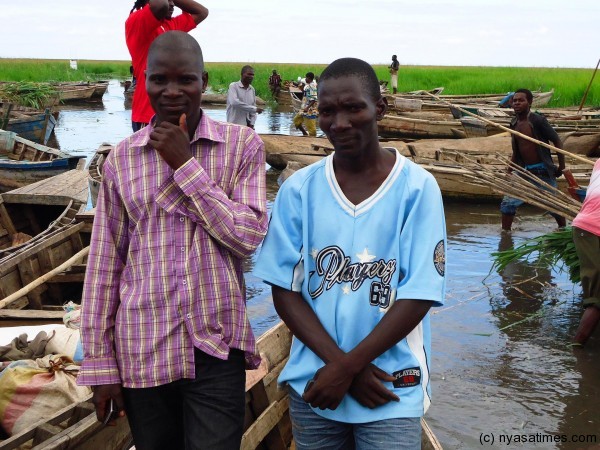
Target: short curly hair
{"x":344,"y":67}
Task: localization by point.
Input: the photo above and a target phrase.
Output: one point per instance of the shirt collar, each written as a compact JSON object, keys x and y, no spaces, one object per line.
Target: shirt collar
{"x":207,"y":129}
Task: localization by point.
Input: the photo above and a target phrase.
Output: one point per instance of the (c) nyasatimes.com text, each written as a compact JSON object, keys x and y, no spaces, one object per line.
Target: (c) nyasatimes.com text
{"x":536,"y":438}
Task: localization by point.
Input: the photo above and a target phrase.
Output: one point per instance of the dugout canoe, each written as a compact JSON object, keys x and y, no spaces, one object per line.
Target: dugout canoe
{"x":280,"y":149}
{"x":36,"y":281}
{"x":442,"y":158}
{"x":414,"y":128}
{"x":24,"y":162}
{"x":33,"y":212}
{"x":267,"y":423}
{"x":29,"y":123}
{"x":68,"y":93}
{"x":95,"y":170}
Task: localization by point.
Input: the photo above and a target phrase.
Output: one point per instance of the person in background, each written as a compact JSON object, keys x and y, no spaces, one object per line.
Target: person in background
{"x":164,"y":326}
{"x":507,"y":101}
{"x":356,"y":300}
{"x":535,"y":158}
{"x":394,"y":67}
{"x":147,"y":20}
{"x":306,"y":119}
{"x":275,"y":83}
{"x":586,"y":235}
{"x":241,"y":100}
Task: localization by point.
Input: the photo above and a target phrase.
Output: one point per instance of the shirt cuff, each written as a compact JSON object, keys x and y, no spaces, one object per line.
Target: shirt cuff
{"x":192,"y":178}
{"x":98,"y":371}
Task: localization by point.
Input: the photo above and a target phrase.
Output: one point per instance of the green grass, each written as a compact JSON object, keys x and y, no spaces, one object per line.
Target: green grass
{"x":39,"y":70}
{"x":569,"y":84}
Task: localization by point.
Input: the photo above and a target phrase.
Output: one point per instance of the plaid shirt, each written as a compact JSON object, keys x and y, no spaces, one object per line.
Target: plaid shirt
{"x":164,"y":274}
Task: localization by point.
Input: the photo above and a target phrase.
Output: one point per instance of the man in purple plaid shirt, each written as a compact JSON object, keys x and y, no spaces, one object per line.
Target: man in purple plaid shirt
{"x":164,"y":327}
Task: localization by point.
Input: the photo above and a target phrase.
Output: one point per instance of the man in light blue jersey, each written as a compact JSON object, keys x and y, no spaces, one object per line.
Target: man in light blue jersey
{"x":355,"y":254}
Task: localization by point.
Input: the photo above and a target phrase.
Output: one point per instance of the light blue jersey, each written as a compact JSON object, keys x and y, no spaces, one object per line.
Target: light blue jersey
{"x":351,"y":262}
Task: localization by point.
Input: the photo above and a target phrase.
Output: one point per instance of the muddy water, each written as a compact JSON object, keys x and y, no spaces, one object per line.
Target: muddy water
{"x":502,"y":364}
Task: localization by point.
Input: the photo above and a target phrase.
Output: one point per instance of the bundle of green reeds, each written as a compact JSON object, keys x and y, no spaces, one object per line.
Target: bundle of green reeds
{"x":556,"y":248}
{"x":26,"y":93}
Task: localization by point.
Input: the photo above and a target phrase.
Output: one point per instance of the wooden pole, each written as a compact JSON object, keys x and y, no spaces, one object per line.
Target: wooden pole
{"x":588,"y":88}
{"x":516,"y":133}
{"x":41,"y":280}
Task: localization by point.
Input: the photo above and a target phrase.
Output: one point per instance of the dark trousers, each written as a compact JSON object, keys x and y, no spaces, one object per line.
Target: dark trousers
{"x":205,"y":413}
{"x":588,"y":250}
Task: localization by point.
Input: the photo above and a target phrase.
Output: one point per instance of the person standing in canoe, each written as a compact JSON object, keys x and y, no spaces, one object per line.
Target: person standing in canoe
{"x":355,"y":257}
{"x":394,"y":67}
{"x":534,"y":158}
{"x":164,"y":327}
{"x":147,"y":20}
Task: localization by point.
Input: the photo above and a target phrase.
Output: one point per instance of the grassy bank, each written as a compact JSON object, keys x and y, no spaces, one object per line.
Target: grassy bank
{"x":569,"y":84}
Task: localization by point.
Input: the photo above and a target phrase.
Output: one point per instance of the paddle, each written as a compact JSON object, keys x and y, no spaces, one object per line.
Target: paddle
{"x":588,"y":88}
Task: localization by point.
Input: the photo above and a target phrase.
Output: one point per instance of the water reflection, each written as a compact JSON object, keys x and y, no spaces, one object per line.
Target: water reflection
{"x":525,"y":285}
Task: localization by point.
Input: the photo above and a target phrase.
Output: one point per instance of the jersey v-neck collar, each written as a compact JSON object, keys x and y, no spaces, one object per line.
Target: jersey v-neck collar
{"x":364,"y":206}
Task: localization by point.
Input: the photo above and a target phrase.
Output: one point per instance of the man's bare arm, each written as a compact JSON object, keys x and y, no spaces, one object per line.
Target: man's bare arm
{"x":160,"y":9}
{"x":198,"y":12}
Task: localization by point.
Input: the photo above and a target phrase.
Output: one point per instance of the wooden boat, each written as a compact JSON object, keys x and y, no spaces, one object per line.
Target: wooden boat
{"x":29,"y":123}
{"x":100,"y":88}
{"x":70,"y":93}
{"x":413,"y":128}
{"x":95,"y":171}
{"x":290,"y":153}
{"x":31,"y":213}
{"x":267,"y":423}
{"x":23,"y":162}
{"x":37,"y":280}
{"x":427,"y":102}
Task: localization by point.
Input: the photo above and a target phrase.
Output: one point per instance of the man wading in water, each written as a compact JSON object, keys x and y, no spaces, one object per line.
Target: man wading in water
{"x":536,"y":159}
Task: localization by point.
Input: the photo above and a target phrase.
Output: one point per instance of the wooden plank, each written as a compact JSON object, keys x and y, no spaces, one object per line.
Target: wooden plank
{"x":264,"y":425}
{"x":5,"y":218}
{"x":28,"y":274}
{"x":31,"y":314}
{"x":255,"y":376}
{"x":45,"y":431}
{"x":259,"y":403}
{"x":67,"y":278}
{"x":28,"y":434}
{"x":15,"y":259}
{"x":56,"y":190}
{"x":428,"y":439}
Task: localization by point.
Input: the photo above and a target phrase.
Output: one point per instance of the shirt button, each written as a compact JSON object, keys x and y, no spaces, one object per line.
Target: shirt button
{"x":181,"y":219}
{"x":182,"y":249}
{"x":189,"y":316}
{"x":184,"y":282}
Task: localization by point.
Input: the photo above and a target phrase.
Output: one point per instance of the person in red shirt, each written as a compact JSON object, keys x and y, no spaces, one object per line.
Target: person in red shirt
{"x":147,"y":20}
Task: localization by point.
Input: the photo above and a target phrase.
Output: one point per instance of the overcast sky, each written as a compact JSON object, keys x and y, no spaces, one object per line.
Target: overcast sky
{"x":540,"y":33}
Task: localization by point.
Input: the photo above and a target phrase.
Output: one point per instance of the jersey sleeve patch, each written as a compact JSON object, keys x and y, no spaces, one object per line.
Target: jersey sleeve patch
{"x":439,"y":258}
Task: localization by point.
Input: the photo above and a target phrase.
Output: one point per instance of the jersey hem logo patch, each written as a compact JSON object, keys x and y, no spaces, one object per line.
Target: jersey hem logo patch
{"x":439,"y":258}
{"x":407,"y":377}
